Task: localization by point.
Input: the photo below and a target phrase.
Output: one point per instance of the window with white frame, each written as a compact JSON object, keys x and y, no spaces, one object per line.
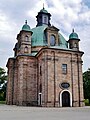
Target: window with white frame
{"x":45,"y":19}
{"x":64,"y":68}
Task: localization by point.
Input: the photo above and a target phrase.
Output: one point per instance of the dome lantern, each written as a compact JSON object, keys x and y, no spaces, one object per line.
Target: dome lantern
{"x":43,"y":17}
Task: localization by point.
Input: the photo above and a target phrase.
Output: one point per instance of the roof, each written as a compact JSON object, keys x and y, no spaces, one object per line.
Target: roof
{"x":39,"y":37}
{"x":43,"y":10}
{"x":26,"y":27}
{"x":73,"y":35}
{"x":63,"y":42}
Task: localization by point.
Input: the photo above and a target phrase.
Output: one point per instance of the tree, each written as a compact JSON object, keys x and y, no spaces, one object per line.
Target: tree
{"x":3,"y":84}
{"x":86,"y":84}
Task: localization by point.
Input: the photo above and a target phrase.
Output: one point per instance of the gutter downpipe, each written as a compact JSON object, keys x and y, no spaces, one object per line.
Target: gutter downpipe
{"x":72,"y":79}
{"x":78,"y":79}
{"x":54,"y":82}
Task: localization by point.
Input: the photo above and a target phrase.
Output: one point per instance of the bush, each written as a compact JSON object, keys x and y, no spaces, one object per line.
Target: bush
{"x":87,"y":102}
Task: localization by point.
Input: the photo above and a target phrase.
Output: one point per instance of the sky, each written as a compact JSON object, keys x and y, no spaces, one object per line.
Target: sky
{"x":66,"y":15}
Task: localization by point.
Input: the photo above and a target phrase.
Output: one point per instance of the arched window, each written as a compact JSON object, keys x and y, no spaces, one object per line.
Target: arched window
{"x":26,"y":38}
{"x":26,"y":49}
{"x":76,"y":45}
{"x":52,"y":40}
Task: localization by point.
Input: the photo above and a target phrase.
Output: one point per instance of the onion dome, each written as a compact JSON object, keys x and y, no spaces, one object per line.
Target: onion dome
{"x":73,"y":35}
{"x":26,"y":27}
{"x":43,"y":10}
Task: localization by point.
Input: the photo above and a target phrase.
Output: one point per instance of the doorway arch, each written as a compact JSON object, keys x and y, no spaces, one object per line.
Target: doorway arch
{"x":65,"y":98}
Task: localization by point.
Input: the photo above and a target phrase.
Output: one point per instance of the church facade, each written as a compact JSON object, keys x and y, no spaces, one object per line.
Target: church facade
{"x":46,"y":70}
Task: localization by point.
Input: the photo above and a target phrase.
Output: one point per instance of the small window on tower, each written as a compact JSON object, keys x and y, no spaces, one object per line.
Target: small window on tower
{"x":26,"y":38}
{"x":64,"y":68}
{"x":26,"y":49}
{"x":75,"y":45}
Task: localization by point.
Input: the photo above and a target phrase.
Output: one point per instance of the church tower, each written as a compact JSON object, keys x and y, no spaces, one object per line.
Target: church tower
{"x":23,"y":46}
{"x":43,"y":18}
{"x":74,"y":41}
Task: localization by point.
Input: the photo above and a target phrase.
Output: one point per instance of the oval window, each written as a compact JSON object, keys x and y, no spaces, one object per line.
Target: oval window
{"x":52,"y":40}
{"x":65,"y":85}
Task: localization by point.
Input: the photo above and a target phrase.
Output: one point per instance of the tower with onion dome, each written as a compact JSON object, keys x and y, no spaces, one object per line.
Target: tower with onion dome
{"x":74,"y":41}
{"x":23,"y":46}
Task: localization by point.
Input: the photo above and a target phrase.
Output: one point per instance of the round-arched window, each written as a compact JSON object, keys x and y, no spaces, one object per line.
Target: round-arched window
{"x":26,"y":38}
{"x":52,"y":40}
{"x":26,"y":49}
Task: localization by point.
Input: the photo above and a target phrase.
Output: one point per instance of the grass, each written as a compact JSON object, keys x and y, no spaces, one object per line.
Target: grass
{"x":2,"y":102}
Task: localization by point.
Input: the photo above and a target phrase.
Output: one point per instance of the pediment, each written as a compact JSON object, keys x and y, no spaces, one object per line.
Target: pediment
{"x":52,"y":28}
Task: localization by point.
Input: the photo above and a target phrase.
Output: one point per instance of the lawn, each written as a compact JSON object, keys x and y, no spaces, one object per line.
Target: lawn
{"x":2,"y":102}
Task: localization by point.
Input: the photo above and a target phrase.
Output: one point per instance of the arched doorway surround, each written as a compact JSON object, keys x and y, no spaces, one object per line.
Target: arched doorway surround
{"x":65,"y":98}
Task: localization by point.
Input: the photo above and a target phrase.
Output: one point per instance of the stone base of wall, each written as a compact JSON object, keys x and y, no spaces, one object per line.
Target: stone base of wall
{"x":82,"y":103}
{"x":26,"y":103}
{"x":9,"y":102}
{"x":50,"y":104}
{"x":76,"y":104}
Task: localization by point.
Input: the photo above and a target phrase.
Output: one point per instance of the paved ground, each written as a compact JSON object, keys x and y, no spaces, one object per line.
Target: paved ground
{"x":37,"y":113}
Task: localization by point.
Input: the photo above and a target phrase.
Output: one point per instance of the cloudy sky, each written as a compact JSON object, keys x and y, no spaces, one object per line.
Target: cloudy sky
{"x":66,"y":15}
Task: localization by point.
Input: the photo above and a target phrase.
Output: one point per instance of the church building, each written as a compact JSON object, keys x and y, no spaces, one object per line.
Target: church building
{"x":46,"y":70}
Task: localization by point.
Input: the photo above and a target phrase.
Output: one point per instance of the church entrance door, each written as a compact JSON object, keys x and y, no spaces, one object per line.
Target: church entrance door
{"x":65,"y":99}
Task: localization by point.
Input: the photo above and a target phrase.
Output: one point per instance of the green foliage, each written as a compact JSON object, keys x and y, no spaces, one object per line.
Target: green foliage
{"x":86,"y":102}
{"x":2,"y":102}
{"x":86,"y":84}
{"x":3,"y":84}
